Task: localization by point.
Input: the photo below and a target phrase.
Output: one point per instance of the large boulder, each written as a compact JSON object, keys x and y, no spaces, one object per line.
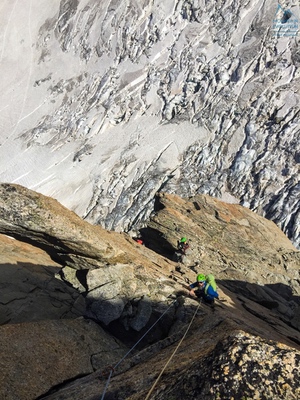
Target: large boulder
{"x":30,"y":285}
{"x":44,"y":222}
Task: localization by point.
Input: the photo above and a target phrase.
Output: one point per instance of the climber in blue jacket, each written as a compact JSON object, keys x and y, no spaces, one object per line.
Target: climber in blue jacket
{"x":205,"y":288}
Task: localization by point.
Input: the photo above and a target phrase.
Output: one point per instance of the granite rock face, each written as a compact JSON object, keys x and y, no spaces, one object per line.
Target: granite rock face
{"x":241,"y":366}
{"x":30,"y":290}
{"x":134,"y":320}
{"x":36,"y":356}
{"x":110,"y":102}
{"x":233,"y":243}
{"x":108,"y":268}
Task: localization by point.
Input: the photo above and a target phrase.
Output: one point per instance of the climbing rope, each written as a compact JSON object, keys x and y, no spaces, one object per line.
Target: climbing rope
{"x":107,"y":383}
{"x":112,"y":369}
{"x":172,"y":355}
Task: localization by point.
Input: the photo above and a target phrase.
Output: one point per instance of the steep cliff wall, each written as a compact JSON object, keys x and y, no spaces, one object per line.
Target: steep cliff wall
{"x":87,"y":313}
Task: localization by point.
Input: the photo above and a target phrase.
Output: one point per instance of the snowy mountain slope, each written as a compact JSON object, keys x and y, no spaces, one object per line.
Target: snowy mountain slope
{"x":103,"y":104}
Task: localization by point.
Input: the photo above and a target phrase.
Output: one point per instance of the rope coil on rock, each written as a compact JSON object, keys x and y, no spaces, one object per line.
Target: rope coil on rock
{"x":112,"y":369}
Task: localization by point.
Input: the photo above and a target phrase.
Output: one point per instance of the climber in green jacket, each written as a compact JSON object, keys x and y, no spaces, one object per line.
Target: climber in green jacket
{"x":205,"y":287}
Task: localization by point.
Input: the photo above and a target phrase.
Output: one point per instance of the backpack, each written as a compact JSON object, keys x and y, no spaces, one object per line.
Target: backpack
{"x":183,"y":247}
{"x":210,"y":280}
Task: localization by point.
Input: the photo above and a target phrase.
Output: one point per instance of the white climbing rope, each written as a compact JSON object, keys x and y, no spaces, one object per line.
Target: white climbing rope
{"x":172,"y":355}
{"x":112,"y":369}
{"x":107,"y":383}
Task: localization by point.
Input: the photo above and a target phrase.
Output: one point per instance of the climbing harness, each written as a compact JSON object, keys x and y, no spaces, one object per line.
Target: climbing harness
{"x":172,"y":355}
{"x":112,"y":369}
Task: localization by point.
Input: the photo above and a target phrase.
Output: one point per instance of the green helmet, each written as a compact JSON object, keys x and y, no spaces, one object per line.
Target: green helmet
{"x":183,"y":240}
{"x":201,"y":278}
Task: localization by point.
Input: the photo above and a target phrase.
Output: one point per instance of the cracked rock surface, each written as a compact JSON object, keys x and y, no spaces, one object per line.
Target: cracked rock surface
{"x":78,"y":302}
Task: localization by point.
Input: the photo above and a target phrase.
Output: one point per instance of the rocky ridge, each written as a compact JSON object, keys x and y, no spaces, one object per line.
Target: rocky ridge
{"x":76,"y":299}
{"x":110,"y":103}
